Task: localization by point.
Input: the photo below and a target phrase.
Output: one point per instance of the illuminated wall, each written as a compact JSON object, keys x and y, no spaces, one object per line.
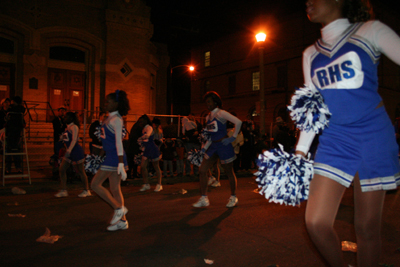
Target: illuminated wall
{"x":114,"y":35}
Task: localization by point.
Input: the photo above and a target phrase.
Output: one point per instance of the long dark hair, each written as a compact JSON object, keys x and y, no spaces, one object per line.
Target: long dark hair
{"x":357,"y":10}
{"x":214,"y":96}
{"x":74,"y":118}
{"x":123,"y":101}
{"x":145,"y":119}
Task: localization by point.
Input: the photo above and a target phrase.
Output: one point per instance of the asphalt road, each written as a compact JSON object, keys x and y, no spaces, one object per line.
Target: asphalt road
{"x":164,"y":229}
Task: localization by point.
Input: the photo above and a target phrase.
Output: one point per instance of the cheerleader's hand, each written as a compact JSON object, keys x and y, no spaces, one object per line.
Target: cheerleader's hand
{"x":228,"y":140}
{"x":301,"y":153}
{"x":67,"y":154}
{"x":121,"y":171}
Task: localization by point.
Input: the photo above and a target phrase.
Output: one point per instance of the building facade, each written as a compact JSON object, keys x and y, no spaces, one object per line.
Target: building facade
{"x":231,"y":67}
{"x":73,"y":53}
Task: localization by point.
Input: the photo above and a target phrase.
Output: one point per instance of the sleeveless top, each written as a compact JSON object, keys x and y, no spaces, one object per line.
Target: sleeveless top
{"x":345,"y":73}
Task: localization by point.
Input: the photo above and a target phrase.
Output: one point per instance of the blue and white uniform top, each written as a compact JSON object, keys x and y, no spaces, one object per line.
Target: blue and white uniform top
{"x":151,"y":150}
{"x":342,"y":65}
{"x":216,"y":127}
{"x":111,"y":138}
{"x":70,"y":139}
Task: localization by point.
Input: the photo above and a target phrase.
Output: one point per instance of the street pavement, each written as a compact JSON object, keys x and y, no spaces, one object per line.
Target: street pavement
{"x":165,"y":230}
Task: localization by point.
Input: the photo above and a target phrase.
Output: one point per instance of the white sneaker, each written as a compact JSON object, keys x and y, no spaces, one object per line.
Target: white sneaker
{"x":216,"y":184}
{"x":158,"y":188}
{"x":120,"y":225}
{"x":118,"y":213}
{"x":62,"y":193}
{"x":202,"y":202}
{"x":232,"y":202}
{"x":85,"y":193}
{"x":145,"y":187}
{"x":211,"y":180}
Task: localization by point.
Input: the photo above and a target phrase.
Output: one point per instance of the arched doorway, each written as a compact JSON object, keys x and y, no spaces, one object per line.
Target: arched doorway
{"x":66,"y":88}
{"x":7,"y":80}
{"x":66,"y":83}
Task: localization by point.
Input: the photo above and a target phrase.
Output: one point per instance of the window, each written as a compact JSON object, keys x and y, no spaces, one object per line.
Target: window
{"x":126,"y":69}
{"x":207,"y":59}
{"x":67,"y":54}
{"x":232,"y":84}
{"x":256,"y":81}
{"x":6,"y":46}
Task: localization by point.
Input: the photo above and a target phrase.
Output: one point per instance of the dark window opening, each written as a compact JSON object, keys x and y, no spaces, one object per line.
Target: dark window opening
{"x":67,"y":54}
{"x":126,"y":70}
{"x":6,"y":46}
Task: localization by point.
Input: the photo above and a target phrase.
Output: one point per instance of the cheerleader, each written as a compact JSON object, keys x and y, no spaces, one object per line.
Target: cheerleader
{"x":115,"y":163}
{"x":151,"y":154}
{"x":359,"y":144}
{"x":74,"y":154}
{"x":220,"y":146}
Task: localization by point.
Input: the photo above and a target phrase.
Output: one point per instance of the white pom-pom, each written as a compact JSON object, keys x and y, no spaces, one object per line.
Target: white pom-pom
{"x":138,"y":159}
{"x":195,"y":157}
{"x":308,"y":110}
{"x":97,"y":132}
{"x":92,"y":163}
{"x":204,"y":136}
{"x":124,"y":131}
{"x":284,"y":178}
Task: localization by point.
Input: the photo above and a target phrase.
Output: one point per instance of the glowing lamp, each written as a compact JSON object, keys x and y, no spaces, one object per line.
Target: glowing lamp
{"x":261,"y":37}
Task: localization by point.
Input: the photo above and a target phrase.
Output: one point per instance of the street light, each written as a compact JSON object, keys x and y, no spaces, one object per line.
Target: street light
{"x":260,"y":37}
{"x":189,"y":68}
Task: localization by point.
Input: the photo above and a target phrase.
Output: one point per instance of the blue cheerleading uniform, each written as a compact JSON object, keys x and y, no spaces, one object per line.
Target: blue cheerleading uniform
{"x":360,"y":136}
{"x":216,"y":127}
{"x":151,"y":150}
{"x":77,"y":154}
{"x":110,"y":143}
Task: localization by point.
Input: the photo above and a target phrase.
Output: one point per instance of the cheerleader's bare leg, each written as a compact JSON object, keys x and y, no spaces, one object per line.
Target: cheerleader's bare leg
{"x":368,"y":208}
{"x":322,"y":206}
{"x":63,"y":173}
{"x":144,"y":171}
{"x":205,"y":166}
{"x":101,"y":191}
{"x":81,"y":170}
{"x":156,"y":165}
{"x":216,"y":171}
{"x":115,"y":188}
{"x":228,"y":168}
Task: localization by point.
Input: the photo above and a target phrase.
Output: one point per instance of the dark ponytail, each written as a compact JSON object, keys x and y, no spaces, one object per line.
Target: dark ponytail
{"x":123,"y":101}
{"x":74,"y":118}
{"x":357,"y":10}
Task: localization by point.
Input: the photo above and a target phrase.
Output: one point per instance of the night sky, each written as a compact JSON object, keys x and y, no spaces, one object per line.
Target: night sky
{"x":184,"y":24}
